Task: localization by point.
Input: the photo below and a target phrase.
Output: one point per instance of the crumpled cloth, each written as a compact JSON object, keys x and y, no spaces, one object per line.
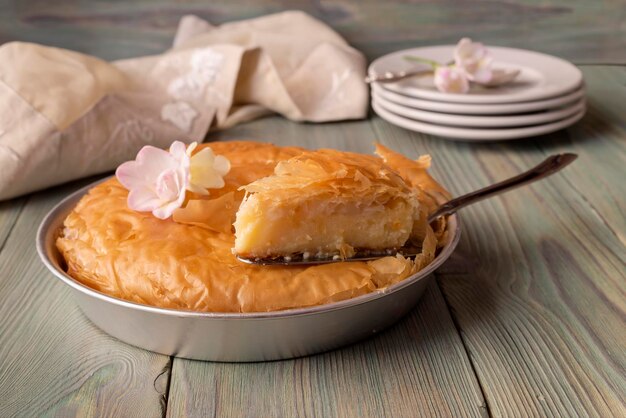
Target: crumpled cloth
{"x":66,"y":115}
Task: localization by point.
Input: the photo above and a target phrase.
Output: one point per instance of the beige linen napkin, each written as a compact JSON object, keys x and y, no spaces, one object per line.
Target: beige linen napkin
{"x":66,"y":115}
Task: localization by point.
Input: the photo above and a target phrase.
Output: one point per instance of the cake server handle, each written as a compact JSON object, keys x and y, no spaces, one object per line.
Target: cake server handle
{"x":548,"y":167}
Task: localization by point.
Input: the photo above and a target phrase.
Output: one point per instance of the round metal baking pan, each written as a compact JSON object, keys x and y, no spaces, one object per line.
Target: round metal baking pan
{"x":238,"y":337}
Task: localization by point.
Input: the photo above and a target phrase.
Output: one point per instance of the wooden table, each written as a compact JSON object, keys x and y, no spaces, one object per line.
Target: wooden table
{"x":526,"y":319}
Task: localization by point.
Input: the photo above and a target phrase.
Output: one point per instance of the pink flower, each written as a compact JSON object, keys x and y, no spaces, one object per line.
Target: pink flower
{"x":158,"y":180}
{"x":451,"y":80}
{"x":474,"y":60}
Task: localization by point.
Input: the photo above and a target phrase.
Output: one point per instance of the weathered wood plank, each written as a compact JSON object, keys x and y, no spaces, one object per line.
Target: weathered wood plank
{"x":537,"y":284}
{"x":600,"y":142}
{"x":9,"y":212}
{"x":356,"y":136}
{"x":418,"y":368}
{"x":579,"y":30}
{"x":53,"y":361}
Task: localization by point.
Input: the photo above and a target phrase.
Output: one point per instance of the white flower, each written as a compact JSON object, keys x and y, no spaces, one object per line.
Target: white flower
{"x":206,"y":170}
{"x":474,"y":59}
{"x":451,"y":80}
{"x":157,"y":180}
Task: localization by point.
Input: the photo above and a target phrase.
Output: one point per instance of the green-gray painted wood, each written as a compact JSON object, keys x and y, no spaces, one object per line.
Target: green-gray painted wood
{"x":419,"y":368}
{"x":9,"y":212}
{"x":579,"y":30}
{"x":537,"y":285}
{"x":53,"y":361}
{"x":429,"y":375}
{"x":536,"y":289}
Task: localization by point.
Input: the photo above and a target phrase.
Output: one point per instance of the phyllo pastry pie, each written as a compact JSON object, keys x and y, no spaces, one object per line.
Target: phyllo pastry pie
{"x":161,"y":232}
{"x":324,"y":203}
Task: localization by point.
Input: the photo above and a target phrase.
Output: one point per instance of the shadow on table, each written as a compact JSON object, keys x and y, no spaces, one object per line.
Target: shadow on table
{"x":591,"y":127}
{"x":429,"y":334}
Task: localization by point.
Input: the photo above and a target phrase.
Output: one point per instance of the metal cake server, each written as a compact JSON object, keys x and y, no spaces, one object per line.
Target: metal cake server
{"x":548,"y":167}
{"x":500,"y":76}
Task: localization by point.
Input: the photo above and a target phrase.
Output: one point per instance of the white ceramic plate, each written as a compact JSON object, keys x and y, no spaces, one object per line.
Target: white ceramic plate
{"x":541,"y":76}
{"x":478,"y":109}
{"x":481,"y":121}
{"x":470,"y":134}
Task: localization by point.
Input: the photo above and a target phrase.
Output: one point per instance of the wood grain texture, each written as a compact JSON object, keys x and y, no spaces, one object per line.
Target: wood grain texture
{"x":601,"y":143}
{"x":536,"y":288}
{"x":579,"y":30}
{"x":538,"y":285}
{"x":418,"y":368}
{"x":53,"y":361}
{"x":9,"y":212}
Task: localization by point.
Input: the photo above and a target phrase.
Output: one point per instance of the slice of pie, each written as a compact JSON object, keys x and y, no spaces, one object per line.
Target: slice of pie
{"x":325,"y":203}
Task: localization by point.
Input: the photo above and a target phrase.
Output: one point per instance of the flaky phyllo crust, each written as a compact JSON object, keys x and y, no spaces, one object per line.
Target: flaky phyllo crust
{"x":325,"y":203}
{"x":186,"y":262}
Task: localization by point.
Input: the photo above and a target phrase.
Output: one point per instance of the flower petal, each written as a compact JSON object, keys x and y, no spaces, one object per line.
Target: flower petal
{"x":481,"y":75}
{"x":207,"y":170}
{"x":154,"y":160}
{"x":165,"y":211}
{"x":221,"y":165}
{"x":197,"y":189}
{"x":464,"y":46}
{"x":157,"y":179}
{"x":130,"y":176}
{"x":204,"y":157}
{"x":143,"y":200}
{"x":146,"y":168}
{"x":451,"y":80}
{"x":191,"y":147}
{"x":474,"y":59}
{"x":210,"y":180}
{"x":177,"y":148}
{"x":168,"y":185}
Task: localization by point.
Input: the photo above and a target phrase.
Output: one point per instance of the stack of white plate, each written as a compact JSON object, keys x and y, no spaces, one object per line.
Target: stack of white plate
{"x":547,"y":95}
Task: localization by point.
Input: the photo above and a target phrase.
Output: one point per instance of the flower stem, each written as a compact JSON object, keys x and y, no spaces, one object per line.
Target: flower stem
{"x":432,"y":63}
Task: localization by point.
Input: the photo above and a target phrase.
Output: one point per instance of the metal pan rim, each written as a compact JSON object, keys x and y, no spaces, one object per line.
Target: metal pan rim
{"x":65,"y":205}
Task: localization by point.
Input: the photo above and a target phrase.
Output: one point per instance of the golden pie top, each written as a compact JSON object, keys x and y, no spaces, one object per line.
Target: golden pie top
{"x":186,"y":262}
